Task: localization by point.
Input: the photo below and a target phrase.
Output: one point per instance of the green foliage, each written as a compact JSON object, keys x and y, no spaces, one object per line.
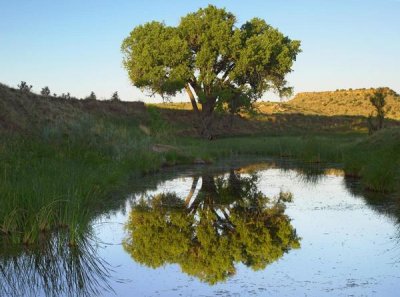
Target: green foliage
{"x":160,"y":128}
{"x":62,"y":178}
{"x":206,"y":51}
{"x":24,"y":87}
{"x":378,"y":100}
{"x":54,"y":267}
{"x":156,"y":58}
{"x":45,"y":92}
{"x":228,"y":221}
{"x":66,"y":96}
{"x":59,"y":159}
{"x":376,"y":160}
{"x":92,"y":96}
{"x":115,"y":97}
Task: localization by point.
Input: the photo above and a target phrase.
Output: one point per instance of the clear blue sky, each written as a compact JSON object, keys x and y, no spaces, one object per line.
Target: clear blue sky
{"x":74,"y":46}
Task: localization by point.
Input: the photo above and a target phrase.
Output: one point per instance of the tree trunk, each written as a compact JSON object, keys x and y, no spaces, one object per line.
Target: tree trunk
{"x":380,"y":117}
{"x":207,"y":119}
{"x":192,"y":189}
{"x":192,"y":99}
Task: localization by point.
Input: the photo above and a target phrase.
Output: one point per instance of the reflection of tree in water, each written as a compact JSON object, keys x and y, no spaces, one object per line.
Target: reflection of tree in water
{"x":54,"y":269}
{"x":228,"y":221}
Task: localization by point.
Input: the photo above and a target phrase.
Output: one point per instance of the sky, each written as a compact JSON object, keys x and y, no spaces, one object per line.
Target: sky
{"x":74,"y":46}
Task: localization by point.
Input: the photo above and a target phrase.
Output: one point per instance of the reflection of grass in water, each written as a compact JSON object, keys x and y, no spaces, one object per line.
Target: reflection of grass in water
{"x":375,"y":159}
{"x":54,"y":268}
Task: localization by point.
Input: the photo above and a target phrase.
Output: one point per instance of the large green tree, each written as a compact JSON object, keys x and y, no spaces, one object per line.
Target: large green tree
{"x":227,"y":221}
{"x":207,"y":55}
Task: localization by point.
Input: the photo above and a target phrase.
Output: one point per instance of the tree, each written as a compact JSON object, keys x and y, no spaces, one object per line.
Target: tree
{"x":24,"y":87}
{"x":378,"y":100}
{"x":210,"y":58}
{"x":115,"y":97}
{"x":66,"y":96}
{"x":45,"y":92}
{"x":228,"y":221}
{"x":92,"y":96}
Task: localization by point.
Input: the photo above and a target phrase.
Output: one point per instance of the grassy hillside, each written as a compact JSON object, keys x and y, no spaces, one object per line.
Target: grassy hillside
{"x":29,"y":112}
{"x":343,"y":102}
{"x":353,"y":103}
{"x":61,"y":160}
{"x":342,"y":111}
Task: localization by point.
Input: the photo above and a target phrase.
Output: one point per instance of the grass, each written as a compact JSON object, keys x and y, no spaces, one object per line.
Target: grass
{"x":376,"y":160}
{"x":339,"y":103}
{"x":61,"y":171}
{"x":59,"y":180}
{"x":309,"y":149}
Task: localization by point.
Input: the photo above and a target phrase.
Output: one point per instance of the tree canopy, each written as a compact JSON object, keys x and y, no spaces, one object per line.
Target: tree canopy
{"x":228,"y":221}
{"x":216,"y":62}
{"x":378,"y":100}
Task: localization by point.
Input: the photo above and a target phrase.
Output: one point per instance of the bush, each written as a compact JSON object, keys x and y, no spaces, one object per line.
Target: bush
{"x":92,"y":96}
{"x":45,"y":92}
{"x":115,"y":97}
{"x":24,"y":87}
{"x":66,"y":96}
{"x":378,"y":100}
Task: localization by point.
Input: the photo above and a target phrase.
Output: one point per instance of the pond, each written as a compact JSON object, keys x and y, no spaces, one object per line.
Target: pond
{"x":265,"y":228}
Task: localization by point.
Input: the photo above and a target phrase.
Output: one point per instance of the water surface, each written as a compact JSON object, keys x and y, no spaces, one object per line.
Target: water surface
{"x":266,"y":229}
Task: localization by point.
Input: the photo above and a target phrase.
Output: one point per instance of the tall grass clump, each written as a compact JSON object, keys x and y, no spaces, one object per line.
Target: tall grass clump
{"x":61,"y":180}
{"x":313,"y":149}
{"x":376,"y":160}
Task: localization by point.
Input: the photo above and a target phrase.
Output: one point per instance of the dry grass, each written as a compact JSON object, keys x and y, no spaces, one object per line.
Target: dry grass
{"x":340,"y":111}
{"x":341,"y":102}
{"x":29,"y":112}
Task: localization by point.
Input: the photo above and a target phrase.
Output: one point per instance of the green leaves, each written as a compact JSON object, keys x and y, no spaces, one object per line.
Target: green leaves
{"x":156,"y":58}
{"x":228,"y":221}
{"x":211,"y":54}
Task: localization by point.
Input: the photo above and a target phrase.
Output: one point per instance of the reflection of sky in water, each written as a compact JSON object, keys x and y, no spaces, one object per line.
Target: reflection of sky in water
{"x":346,"y":248}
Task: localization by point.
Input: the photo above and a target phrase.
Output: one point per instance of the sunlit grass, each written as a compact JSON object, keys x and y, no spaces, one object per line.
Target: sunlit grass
{"x":59,"y":175}
{"x":60,"y":180}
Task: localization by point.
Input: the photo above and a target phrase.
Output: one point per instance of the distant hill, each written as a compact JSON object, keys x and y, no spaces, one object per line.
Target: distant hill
{"x":29,"y":112}
{"x":342,"y":102}
{"x":318,"y":112}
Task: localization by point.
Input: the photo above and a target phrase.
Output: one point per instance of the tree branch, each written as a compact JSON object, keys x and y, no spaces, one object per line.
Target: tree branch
{"x":192,"y":99}
{"x":228,"y":71}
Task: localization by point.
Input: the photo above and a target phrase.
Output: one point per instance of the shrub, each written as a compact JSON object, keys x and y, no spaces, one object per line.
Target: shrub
{"x":92,"y":96}
{"x":378,"y":100}
{"x":115,"y":97}
{"x":66,"y":96}
{"x":45,"y":92}
{"x":24,"y":87}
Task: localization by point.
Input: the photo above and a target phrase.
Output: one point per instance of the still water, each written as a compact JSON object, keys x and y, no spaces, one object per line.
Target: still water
{"x":271,"y":228}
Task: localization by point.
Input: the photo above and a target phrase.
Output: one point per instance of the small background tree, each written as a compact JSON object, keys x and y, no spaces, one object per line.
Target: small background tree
{"x":45,"y":92}
{"x":24,"y":87}
{"x":92,"y":96}
{"x":378,"y":100}
{"x":66,"y":96}
{"x":115,"y":97}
